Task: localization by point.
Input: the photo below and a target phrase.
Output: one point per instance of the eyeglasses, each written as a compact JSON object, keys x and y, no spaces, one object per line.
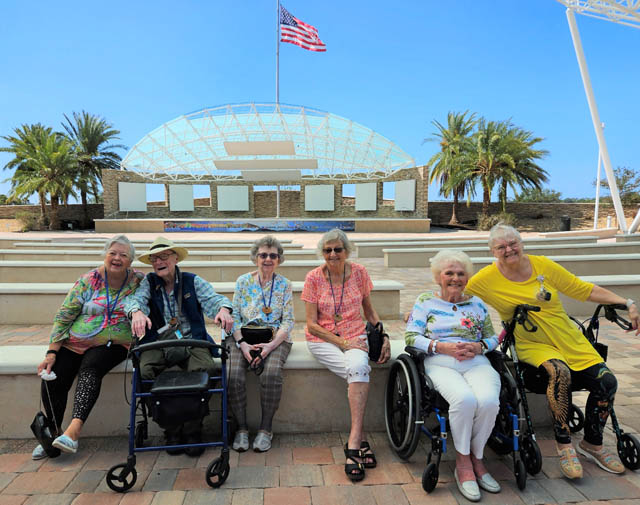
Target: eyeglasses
{"x":329,"y":250}
{"x":271,"y":256}
{"x":163,"y":257}
{"x":511,"y":245}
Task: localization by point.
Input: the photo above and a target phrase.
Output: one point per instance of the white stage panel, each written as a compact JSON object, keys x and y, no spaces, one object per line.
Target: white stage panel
{"x":180,"y":197}
{"x":366,"y":196}
{"x":132,"y":196}
{"x":405,"y":195}
{"x":233,"y":198}
{"x":318,"y":197}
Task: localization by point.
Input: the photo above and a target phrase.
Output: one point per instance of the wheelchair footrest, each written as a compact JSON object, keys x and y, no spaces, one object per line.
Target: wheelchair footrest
{"x":173,"y":381}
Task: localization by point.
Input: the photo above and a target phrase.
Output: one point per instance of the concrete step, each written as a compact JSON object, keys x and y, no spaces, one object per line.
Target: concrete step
{"x":93,"y":246}
{"x":17,"y":300}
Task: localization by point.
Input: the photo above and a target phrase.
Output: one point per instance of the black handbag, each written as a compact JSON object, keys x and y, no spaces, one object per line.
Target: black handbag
{"x":375,"y":335}
{"x":253,"y":334}
{"x":45,"y":431}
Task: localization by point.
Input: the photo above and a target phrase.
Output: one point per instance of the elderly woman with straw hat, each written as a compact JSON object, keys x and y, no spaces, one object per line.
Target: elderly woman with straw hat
{"x":169,"y":296}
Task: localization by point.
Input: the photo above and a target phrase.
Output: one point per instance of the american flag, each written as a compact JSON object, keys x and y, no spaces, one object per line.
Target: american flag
{"x":301,"y":34}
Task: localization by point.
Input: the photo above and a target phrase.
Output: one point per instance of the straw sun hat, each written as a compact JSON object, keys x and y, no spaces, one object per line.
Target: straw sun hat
{"x":161,"y":245}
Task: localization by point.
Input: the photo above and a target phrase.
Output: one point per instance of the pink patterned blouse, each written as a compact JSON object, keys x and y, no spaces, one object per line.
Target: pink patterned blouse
{"x":317,"y":290}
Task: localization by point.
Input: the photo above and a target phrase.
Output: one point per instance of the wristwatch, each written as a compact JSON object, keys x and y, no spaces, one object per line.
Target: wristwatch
{"x":630,"y":302}
{"x":238,"y":342}
{"x":485,"y":347}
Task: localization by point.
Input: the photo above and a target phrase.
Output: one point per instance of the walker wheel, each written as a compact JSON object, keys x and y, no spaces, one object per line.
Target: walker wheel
{"x":521,"y":474}
{"x":430,"y":477}
{"x":217,"y":472}
{"x":121,"y":478}
{"x":530,"y":453}
{"x":576,"y":419}
{"x":629,"y":451}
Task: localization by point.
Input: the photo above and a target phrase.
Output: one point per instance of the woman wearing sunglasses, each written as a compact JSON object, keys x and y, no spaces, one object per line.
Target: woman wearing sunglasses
{"x":337,"y":337}
{"x":262,"y":299}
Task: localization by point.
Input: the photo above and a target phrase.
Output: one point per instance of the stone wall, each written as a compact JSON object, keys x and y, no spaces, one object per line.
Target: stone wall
{"x":72,"y":212}
{"x":533,"y":216}
{"x":262,"y":204}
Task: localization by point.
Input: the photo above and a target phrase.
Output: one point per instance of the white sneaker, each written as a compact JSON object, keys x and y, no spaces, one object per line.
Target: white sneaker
{"x":38,"y":453}
{"x":241,"y":441}
{"x":262,"y":442}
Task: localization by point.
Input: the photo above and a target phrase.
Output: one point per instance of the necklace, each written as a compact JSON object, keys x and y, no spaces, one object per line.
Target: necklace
{"x":266,"y":307}
{"x":336,"y":310}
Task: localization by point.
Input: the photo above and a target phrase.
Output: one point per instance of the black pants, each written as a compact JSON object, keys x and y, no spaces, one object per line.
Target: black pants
{"x":602,"y":386}
{"x":90,"y":368}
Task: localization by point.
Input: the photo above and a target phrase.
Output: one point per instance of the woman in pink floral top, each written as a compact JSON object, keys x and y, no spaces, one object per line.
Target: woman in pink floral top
{"x":336,"y":335}
{"x":91,"y":335}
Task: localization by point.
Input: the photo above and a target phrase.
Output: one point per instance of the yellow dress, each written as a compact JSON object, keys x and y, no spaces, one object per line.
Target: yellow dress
{"x":557,"y":336}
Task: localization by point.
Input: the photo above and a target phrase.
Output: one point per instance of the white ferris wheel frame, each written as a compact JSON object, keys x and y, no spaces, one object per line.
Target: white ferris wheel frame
{"x":625,"y":12}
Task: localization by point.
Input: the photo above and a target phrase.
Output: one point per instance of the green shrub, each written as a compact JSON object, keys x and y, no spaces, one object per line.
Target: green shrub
{"x":29,"y":220}
{"x":486,"y":222}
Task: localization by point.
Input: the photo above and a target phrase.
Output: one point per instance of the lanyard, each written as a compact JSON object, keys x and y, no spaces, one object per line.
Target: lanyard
{"x":267,"y":307}
{"x":174,"y":319}
{"x":336,"y":310}
{"x":112,"y":308}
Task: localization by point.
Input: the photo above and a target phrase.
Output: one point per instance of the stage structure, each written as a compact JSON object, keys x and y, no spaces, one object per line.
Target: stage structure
{"x":625,"y":12}
{"x":268,"y":166}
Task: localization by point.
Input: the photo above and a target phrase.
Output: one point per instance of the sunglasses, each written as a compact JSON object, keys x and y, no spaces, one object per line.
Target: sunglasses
{"x":163,"y":257}
{"x":329,"y":250}
{"x":271,"y":256}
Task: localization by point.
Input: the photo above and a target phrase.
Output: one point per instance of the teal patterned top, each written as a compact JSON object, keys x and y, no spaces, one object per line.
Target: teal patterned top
{"x":435,"y":319}
{"x":81,"y":321}
{"x":248,"y":303}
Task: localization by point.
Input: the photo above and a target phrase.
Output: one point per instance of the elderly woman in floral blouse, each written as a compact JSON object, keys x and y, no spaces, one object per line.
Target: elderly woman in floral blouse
{"x":90,"y":336}
{"x":262,"y":298}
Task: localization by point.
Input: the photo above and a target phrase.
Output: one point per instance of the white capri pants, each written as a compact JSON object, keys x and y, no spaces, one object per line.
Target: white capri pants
{"x":472,"y":389}
{"x":352,"y":365}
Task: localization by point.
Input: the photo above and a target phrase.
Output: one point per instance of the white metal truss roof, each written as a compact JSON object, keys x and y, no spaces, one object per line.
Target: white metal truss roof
{"x":188,"y":147}
{"x":625,"y":12}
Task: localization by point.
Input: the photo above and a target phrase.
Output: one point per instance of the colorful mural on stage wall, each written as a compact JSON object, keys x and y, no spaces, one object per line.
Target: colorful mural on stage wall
{"x":259,"y":225}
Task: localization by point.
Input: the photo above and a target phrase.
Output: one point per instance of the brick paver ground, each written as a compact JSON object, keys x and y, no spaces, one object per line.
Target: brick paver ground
{"x":306,"y":469}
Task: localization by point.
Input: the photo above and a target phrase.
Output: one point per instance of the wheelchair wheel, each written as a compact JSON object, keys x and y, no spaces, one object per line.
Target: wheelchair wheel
{"x":530,"y":453}
{"x":402,"y":406}
{"x":430,"y":477}
{"x":120,"y":478}
{"x":629,"y":451}
{"x":576,"y":418}
{"x":217,"y":472}
{"x":521,"y":474}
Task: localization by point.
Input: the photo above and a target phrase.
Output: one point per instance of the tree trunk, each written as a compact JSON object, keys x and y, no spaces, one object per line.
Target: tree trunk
{"x":54,"y":222}
{"x":85,"y":210}
{"x":43,"y":209}
{"x":454,"y":209}
{"x":486,"y":197}
{"x":503,"y":195}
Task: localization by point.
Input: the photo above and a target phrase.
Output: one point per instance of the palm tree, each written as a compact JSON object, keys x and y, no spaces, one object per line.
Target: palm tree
{"x":91,"y":136}
{"x":45,"y":165}
{"x":450,"y":165}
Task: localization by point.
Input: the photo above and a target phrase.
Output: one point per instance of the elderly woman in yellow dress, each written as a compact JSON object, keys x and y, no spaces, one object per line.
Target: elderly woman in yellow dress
{"x":558,"y":348}
{"x":90,"y":336}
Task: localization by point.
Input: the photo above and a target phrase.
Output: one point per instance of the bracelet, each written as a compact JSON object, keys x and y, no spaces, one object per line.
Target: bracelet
{"x":433,"y":350}
{"x":630,"y":302}
{"x":484,"y":347}
{"x":51,"y":351}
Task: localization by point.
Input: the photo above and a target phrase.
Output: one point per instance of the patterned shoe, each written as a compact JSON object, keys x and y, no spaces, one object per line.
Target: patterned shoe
{"x":38,"y":453}
{"x":603,"y":458}
{"x":241,"y":441}
{"x":65,"y":444}
{"x":569,"y":463}
{"x":262,"y":442}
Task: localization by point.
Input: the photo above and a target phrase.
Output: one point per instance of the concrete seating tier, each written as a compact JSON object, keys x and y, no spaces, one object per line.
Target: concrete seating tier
{"x":314,"y":400}
{"x":93,"y":246}
{"x":187,"y":241}
{"x":37,"y":303}
{"x":634,"y":237}
{"x":600,"y":233}
{"x":62,"y":254}
{"x":419,"y":257}
{"x":8,"y":242}
{"x":213,"y":271}
{"x":374,"y":249}
{"x":425,"y":236}
{"x":580,"y":265}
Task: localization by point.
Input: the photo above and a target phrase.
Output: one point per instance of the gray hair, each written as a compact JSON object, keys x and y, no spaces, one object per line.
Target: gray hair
{"x":503,"y":231}
{"x":332,"y":236}
{"x":123,"y":240}
{"x":268,"y":241}
{"x":446,"y":256}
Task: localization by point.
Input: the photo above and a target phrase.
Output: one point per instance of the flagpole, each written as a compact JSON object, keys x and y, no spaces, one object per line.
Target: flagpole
{"x":278,"y":53}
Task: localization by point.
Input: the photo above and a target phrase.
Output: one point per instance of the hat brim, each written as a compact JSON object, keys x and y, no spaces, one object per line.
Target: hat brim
{"x":181,"y":252}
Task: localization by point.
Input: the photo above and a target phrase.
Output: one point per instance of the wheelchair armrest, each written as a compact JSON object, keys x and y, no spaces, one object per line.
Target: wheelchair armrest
{"x":415,"y":352}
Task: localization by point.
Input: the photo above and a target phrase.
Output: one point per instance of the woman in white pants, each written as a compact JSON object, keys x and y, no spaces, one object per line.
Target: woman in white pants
{"x":455,"y":331}
{"x":336,"y":335}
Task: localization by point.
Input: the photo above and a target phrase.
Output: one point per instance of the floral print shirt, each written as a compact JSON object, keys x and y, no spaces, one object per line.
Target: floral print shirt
{"x":435,"y":319}
{"x":82,"y":323}
{"x":248,"y":303}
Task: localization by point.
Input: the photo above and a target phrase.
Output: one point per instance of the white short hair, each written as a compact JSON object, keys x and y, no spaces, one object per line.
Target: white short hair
{"x":446,"y":256}
{"x":503,"y":232}
{"x":123,"y":240}
{"x":333,"y":236}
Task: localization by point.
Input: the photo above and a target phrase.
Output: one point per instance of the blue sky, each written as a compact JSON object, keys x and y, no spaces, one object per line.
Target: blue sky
{"x":393,"y":67}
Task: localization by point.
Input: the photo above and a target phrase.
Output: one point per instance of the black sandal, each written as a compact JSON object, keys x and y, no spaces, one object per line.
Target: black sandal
{"x":355,"y":471}
{"x":367,"y":454}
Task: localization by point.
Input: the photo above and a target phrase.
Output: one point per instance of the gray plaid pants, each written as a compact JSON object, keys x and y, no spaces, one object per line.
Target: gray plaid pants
{"x":270,"y":384}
